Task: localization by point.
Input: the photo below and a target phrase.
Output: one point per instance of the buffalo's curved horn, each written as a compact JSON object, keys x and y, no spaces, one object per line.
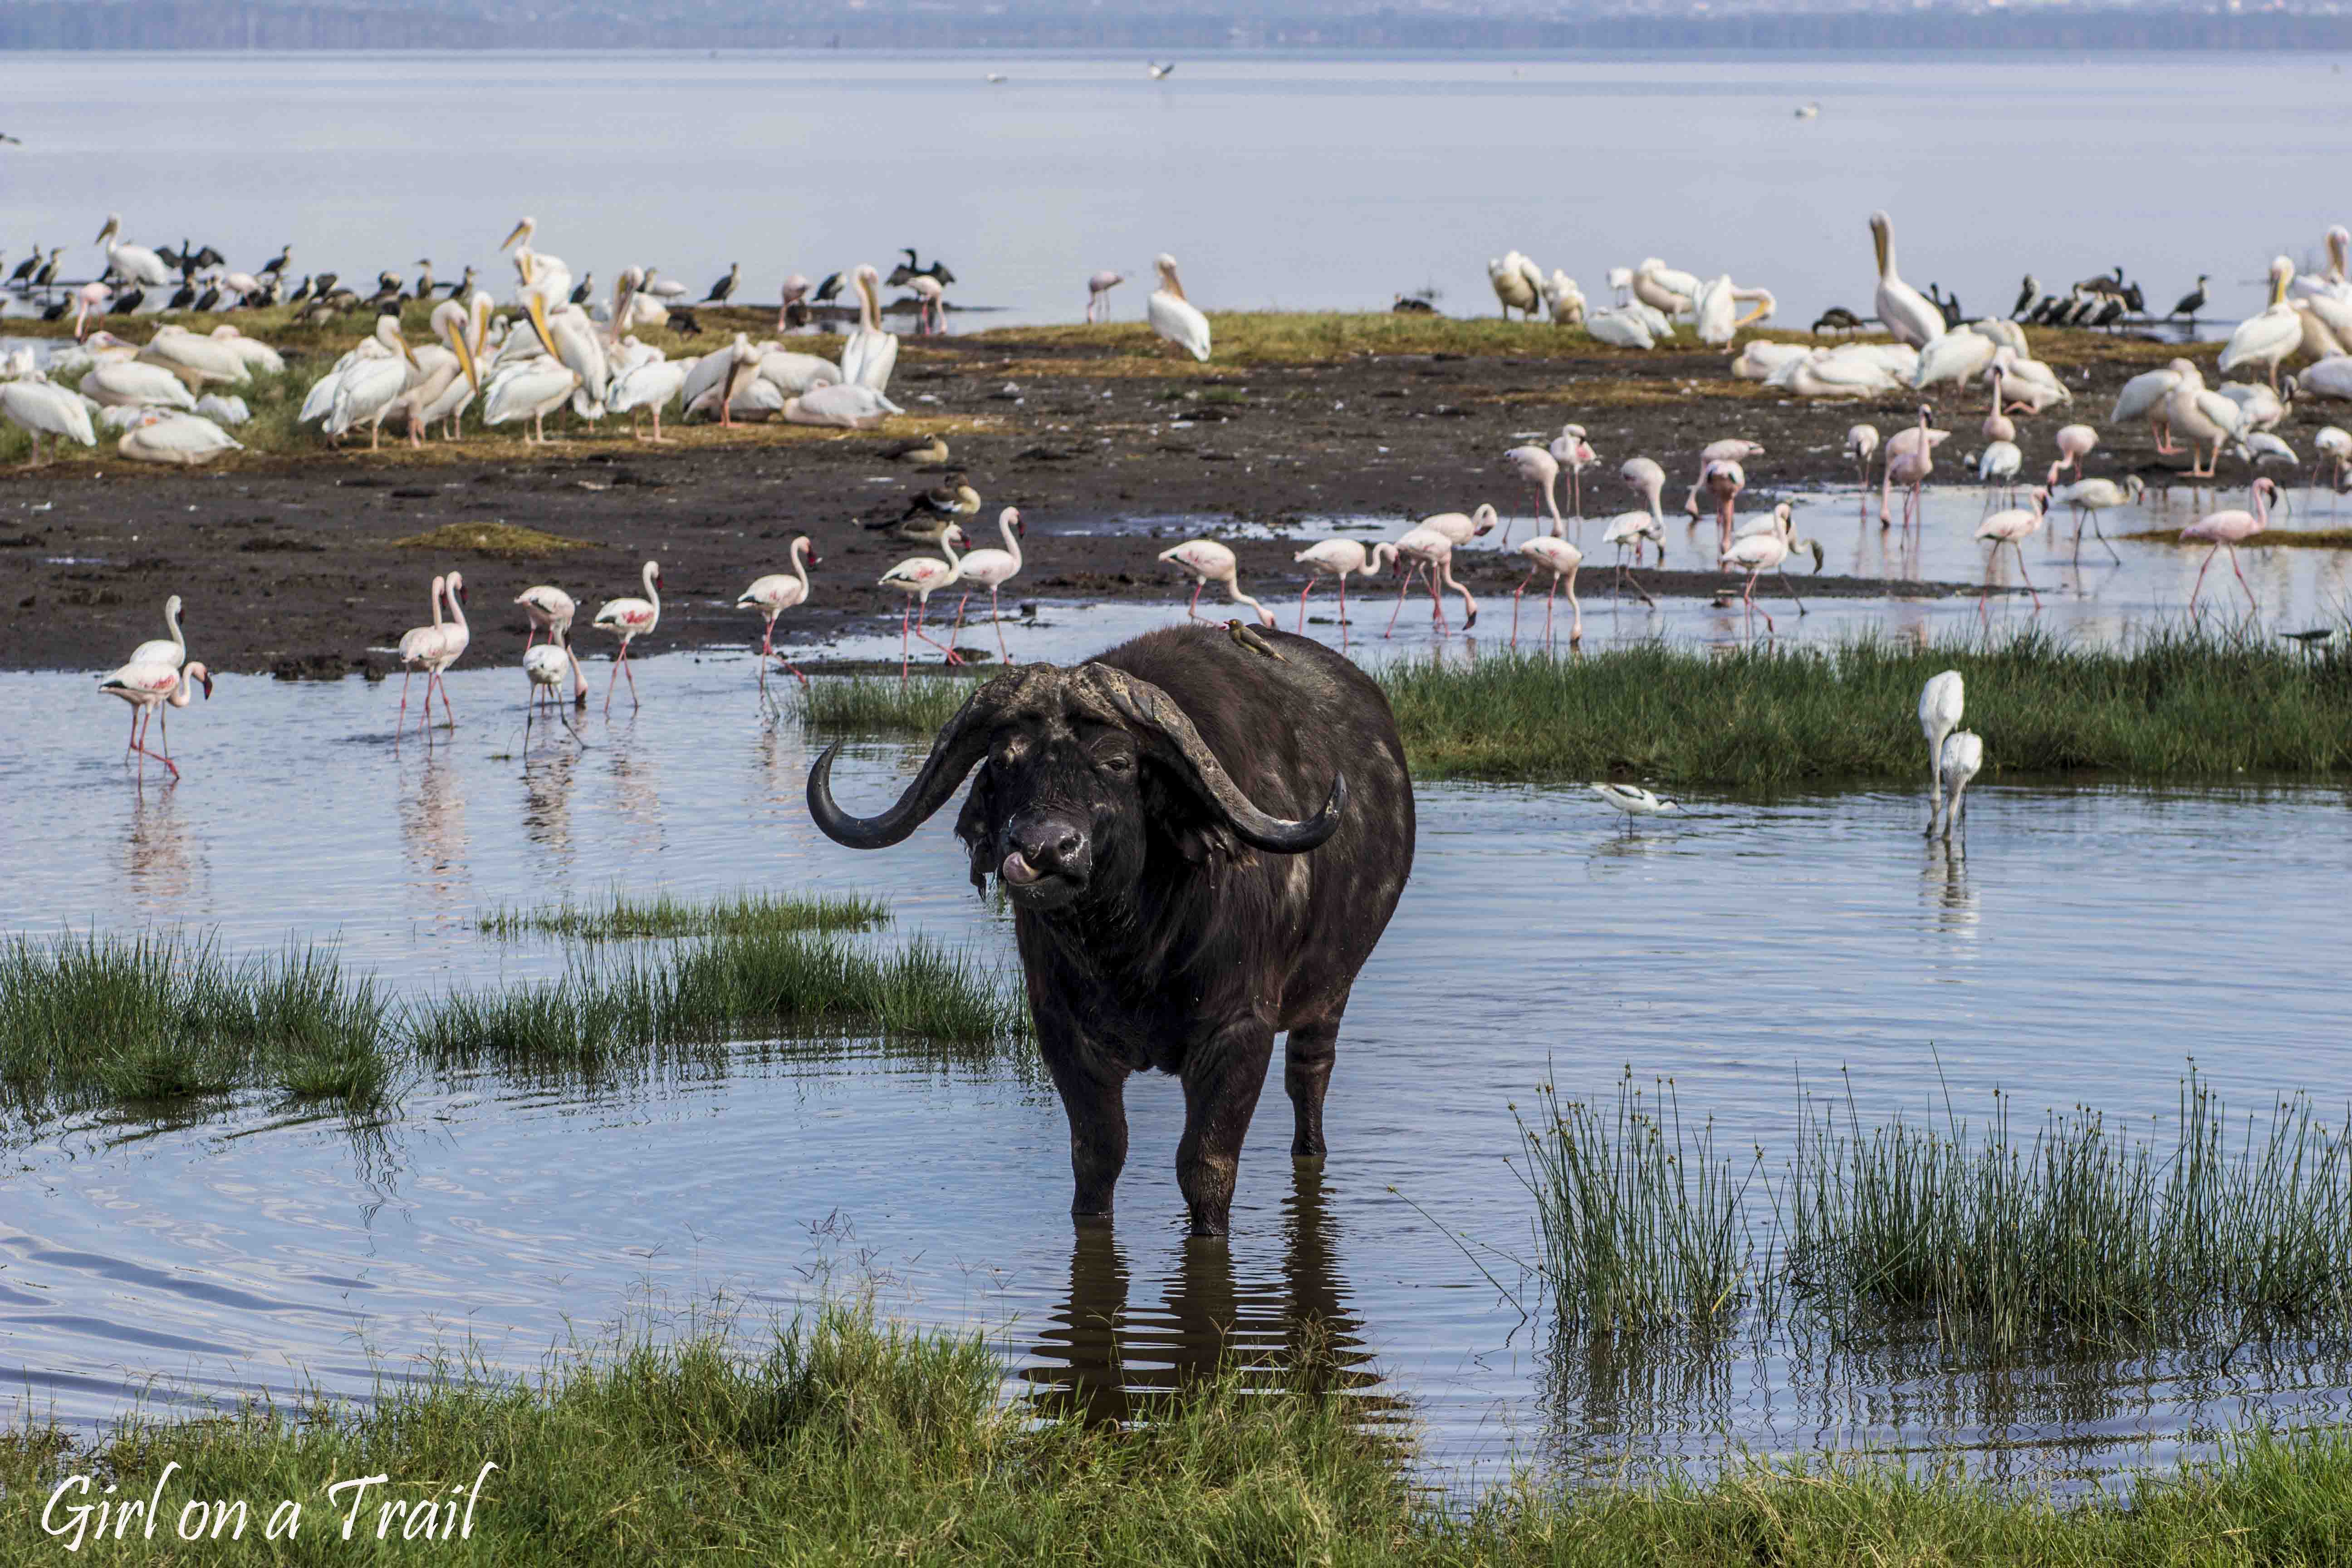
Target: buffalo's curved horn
{"x":959,"y":746}
{"x":1142,"y":703}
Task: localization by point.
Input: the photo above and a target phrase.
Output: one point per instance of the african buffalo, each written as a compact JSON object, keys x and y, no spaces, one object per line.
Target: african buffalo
{"x":1178,"y":897}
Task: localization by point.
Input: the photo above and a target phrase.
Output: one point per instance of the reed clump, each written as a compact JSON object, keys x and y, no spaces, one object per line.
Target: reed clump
{"x":837,"y":1440}
{"x":2168,"y":705}
{"x":643,"y":1007}
{"x":622,"y":917}
{"x":879,"y":705}
{"x":1996,"y":1244}
{"x":161,"y":1017}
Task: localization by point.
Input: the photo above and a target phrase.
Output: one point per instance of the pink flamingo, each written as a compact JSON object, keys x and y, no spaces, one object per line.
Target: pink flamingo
{"x":1570,"y":451}
{"x":1432,"y":549}
{"x":1910,"y":456}
{"x":2074,"y":444}
{"x":417,"y":646}
{"x":631,"y":618}
{"x":1561,"y":559}
{"x":1723,"y":479}
{"x":1331,"y":558}
{"x":1648,"y":480}
{"x":2227,"y":530}
{"x":149,"y":685}
{"x":775,"y":593}
{"x":1997,"y":426}
{"x":919,"y":577}
{"x":1205,"y":562}
{"x":1098,"y":287}
{"x":2012,"y":527}
{"x":550,"y":610}
{"x":1727,"y":451}
{"x":1768,"y":550}
{"x":1538,"y":468}
{"x":992,"y":569}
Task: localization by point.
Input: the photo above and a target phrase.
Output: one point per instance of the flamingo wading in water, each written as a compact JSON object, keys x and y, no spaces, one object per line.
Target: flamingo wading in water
{"x":2227,"y":530}
{"x":992,"y":569}
{"x":774,"y":594}
{"x":631,"y":618}
{"x":919,"y":577}
{"x":149,"y":687}
{"x":1205,"y":562}
{"x":1333,"y":558}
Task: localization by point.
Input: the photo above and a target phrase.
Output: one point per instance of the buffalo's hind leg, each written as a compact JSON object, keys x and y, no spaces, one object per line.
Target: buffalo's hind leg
{"x":1221,"y":1080}
{"x":1094,"y":1097}
{"x":1307,"y":1054}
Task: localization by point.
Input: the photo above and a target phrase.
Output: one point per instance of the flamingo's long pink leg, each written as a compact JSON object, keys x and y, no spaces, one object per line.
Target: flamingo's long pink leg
{"x":906,"y":614}
{"x":2198,"y":587}
{"x":613,"y":680}
{"x":996,"y":613}
{"x":1302,"y":604}
{"x":2251,"y":605}
{"x":1194,"y":609}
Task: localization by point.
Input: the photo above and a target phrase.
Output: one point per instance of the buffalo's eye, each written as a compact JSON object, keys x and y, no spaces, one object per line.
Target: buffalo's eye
{"x":1115,"y":762}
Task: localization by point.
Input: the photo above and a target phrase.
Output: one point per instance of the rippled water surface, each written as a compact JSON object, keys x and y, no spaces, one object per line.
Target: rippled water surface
{"x":815,"y":161}
{"x":2083,"y":948}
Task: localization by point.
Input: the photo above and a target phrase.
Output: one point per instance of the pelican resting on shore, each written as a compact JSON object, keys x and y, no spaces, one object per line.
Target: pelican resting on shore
{"x":187,"y":440}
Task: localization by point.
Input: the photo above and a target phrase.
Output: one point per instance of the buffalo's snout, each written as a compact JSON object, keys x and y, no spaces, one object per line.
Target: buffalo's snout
{"x":1048,"y":856}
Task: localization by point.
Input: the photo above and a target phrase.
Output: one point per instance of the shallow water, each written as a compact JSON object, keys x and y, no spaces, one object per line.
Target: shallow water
{"x":2085,"y":946}
{"x":815,"y":161}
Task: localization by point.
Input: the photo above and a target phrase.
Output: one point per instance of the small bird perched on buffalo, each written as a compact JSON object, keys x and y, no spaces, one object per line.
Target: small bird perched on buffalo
{"x":1248,"y":638}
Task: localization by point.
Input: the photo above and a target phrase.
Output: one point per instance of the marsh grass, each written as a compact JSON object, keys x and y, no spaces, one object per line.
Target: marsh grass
{"x":836,"y":1439}
{"x":161,"y":1017}
{"x":2168,"y":705}
{"x":502,"y":541}
{"x":2269,"y":538}
{"x":642,"y":1008}
{"x":1994,"y":1243}
{"x":622,"y":917}
{"x":881,"y":705}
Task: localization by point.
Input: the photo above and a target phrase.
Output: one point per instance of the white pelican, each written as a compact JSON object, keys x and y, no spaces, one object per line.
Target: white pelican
{"x":121,"y":384}
{"x":2027,"y":384}
{"x":38,"y":407}
{"x":1623,"y":328}
{"x":2265,"y":339}
{"x":572,"y":338}
{"x":1901,"y":309}
{"x":1713,"y":305}
{"x":132,"y":263}
{"x":1663,"y":289}
{"x":2200,"y":417}
{"x":539,"y":273}
{"x":1837,"y":372}
{"x":2145,"y":396}
{"x":2262,"y":407}
{"x":450,"y":378}
{"x":715,"y":368}
{"x":2330,"y":378}
{"x":256,"y":354}
{"x":185,"y":439}
{"x":1565,"y":299}
{"x":2333,"y":282}
{"x":1517,"y":282}
{"x":529,"y":389}
{"x":365,"y":391}
{"x":843,"y":405}
{"x":1759,"y":358}
{"x":869,"y":354}
{"x":650,"y":383}
{"x":1960,"y":354}
{"x":195,"y":359}
{"x":1174,"y":317}
{"x":792,"y":374}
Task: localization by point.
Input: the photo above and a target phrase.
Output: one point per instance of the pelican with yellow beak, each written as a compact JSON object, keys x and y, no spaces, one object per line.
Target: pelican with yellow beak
{"x":870,"y":354}
{"x":2266,"y":339}
{"x":365,"y":392}
{"x":572,"y":338}
{"x":134,"y":264}
{"x":539,"y":272}
{"x":1716,"y":302}
{"x":453,"y":376}
{"x":1902,"y":310}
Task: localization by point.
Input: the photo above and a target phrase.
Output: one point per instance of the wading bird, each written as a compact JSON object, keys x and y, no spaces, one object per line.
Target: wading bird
{"x":774,"y":594}
{"x":1633,"y":801}
{"x":1768,"y":550}
{"x":1333,"y":558}
{"x":630,"y":618}
{"x":2227,"y":530}
{"x":150,"y":688}
{"x":1535,"y":466}
{"x":992,"y":569}
{"x":1098,"y":287}
{"x":543,"y":666}
{"x":1962,"y":757}
{"x":1557,"y":556}
{"x":1940,"y":703}
{"x":1205,"y":562}
{"x":550,"y":611}
{"x":2011,"y":528}
{"x":919,"y":577}
{"x":2091,"y":497}
{"x":1430,"y":549}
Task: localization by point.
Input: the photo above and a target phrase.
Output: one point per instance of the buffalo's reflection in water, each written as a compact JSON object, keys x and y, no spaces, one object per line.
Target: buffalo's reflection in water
{"x":1105,"y":1356}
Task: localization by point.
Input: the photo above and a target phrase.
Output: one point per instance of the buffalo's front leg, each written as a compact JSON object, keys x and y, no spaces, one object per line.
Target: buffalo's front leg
{"x":1095,"y":1099}
{"x":1308,"y":1053}
{"x":1221,"y":1080}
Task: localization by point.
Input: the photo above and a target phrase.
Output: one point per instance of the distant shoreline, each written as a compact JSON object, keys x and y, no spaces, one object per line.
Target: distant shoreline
{"x":208,"y":25}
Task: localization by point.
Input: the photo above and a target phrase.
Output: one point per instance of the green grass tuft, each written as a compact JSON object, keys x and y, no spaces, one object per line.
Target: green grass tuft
{"x":879,"y":705}
{"x":839,"y":1440}
{"x":622,"y":917}
{"x":2168,"y":706}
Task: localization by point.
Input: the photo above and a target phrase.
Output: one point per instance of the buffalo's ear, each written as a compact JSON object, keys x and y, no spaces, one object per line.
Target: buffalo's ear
{"x":975,"y":826}
{"x":1173,"y":810}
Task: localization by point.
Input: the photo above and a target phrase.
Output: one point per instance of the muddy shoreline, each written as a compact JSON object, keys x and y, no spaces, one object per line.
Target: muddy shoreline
{"x":288,"y":564}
